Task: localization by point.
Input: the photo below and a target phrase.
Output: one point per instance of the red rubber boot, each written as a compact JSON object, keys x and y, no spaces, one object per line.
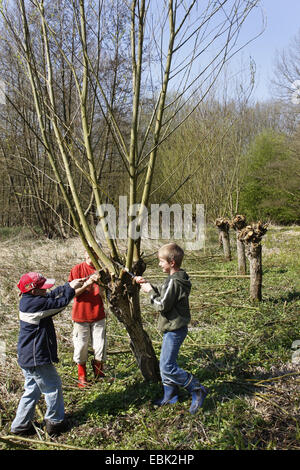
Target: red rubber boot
{"x":82,"y":382}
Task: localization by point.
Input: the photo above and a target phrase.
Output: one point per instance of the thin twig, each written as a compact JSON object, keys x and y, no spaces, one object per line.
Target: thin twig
{"x":271,"y":379}
{"x":12,"y":438}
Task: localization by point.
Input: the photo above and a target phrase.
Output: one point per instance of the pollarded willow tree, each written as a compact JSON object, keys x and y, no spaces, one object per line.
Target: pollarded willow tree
{"x":238,"y":223}
{"x":251,"y":236}
{"x":176,"y":49}
{"x":223,"y":226}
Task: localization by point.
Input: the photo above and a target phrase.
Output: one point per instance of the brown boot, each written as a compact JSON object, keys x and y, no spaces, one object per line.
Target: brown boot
{"x":98,"y":369}
{"x":82,"y":382}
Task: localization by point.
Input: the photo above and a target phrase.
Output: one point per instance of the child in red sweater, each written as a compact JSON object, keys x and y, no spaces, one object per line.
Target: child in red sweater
{"x":88,"y":317}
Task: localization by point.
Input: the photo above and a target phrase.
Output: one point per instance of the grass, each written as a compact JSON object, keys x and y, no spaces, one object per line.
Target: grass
{"x":241,"y":351}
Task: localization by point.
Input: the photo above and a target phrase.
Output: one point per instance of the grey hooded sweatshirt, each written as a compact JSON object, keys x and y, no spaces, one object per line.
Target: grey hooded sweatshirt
{"x":171,"y":300}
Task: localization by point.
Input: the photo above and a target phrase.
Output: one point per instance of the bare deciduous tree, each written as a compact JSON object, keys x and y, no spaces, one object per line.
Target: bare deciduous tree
{"x":174,"y":44}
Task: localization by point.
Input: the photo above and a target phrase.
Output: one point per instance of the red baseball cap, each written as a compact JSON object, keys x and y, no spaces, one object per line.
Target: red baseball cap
{"x":31,"y":281}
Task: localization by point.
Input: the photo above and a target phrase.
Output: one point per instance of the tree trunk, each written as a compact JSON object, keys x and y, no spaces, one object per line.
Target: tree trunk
{"x":251,"y":236}
{"x":125,"y":305}
{"x":255,"y":260}
{"x":224,"y":239}
{"x":238,"y":223}
{"x":240,"y":248}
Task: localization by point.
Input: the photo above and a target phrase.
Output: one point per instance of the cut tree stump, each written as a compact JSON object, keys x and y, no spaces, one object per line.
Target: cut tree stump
{"x":238,"y":223}
{"x":223,"y":226}
{"x":251,"y":236}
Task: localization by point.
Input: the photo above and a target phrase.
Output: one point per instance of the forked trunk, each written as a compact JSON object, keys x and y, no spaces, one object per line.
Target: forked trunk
{"x":124,"y":302}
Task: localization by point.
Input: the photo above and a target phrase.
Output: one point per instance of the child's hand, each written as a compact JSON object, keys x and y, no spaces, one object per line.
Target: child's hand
{"x":146,"y":287}
{"x":139,"y":280}
{"x":76,"y":283}
{"x":93,"y":278}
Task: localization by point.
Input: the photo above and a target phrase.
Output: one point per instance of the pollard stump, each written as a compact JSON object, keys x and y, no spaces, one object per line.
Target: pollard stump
{"x":251,"y":236}
{"x":223,"y":228}
{"x":238,"y":223}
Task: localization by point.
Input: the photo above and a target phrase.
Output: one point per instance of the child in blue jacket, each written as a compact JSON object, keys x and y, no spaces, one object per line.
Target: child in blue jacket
{"x":37,"y":351}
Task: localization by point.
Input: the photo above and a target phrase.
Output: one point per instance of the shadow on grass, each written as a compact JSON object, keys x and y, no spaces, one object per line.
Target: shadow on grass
{"x":140,"y":394}
{"x":226,"y":375}
{"x":114,"y":402}
{"x":289,"y":297}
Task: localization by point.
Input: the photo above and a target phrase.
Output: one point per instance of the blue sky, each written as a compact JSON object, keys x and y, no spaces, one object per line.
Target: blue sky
{"x":282,"y":24}
{"x":278,"y":21}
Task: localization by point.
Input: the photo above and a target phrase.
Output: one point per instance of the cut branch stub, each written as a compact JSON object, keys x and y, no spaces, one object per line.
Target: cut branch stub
{"x":238,"y":222}
{"x":253,"y":233}
{"x":139,"y":267}
{"x":105,"y":276}
{"x":222,"y":224}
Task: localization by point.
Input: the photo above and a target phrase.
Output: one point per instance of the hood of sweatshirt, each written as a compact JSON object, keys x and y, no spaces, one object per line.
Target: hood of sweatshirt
{"x":183,"y":279}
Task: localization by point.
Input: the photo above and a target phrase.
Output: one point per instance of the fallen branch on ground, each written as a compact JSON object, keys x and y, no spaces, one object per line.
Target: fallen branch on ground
{"x":11,"y":438}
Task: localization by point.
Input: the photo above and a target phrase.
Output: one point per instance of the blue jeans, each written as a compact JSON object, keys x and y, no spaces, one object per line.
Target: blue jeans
{"x":170,"y":372}
{"x":40,"y":380}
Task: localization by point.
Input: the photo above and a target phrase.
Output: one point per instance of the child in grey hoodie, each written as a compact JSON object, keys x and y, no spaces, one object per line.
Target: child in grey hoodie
{"x":172,"y":301}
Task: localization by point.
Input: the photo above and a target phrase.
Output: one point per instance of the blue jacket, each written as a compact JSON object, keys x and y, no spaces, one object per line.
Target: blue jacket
{"x":37,"y":339}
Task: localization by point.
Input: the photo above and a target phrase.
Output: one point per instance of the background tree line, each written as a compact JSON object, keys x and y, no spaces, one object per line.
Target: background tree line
{"x":232,"y":155}
{"x":235,"y":158}
{"x":30,"y":194}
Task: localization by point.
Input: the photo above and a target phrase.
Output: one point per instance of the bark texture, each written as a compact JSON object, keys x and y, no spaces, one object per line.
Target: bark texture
{"x":223,"y":226}
{"x":123,"y":297}
{"x":238,"y":223}
{"x":251,"y":236}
